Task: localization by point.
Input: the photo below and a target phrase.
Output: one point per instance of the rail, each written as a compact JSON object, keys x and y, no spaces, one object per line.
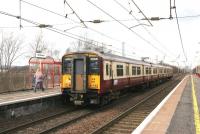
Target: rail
{"x":136,"y":114}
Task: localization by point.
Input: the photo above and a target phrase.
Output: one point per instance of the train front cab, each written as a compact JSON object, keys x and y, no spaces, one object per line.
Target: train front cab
{"x":81,"y":78}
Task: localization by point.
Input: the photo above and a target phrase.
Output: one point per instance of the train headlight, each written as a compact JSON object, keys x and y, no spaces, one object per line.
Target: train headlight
{"x":81,"y":96}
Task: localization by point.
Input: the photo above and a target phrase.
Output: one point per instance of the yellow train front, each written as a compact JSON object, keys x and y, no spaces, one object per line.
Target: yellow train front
{"x":80,"y":80}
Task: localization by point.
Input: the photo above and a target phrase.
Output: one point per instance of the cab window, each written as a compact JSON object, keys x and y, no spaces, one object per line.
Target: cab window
{"x":67,"y":66}
{"x":94,"y":66}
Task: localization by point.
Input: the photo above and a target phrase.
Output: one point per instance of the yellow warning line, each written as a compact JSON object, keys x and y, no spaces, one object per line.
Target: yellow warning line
{"x":195,"y":108}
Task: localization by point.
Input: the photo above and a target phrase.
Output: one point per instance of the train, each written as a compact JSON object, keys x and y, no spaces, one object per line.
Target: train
{"x":90,"y":77}
{"x":196,"y":70}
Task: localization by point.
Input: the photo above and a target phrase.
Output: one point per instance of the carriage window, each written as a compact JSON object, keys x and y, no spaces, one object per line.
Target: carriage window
{"x":154,"y":71}
{"x":147,"y":70}
{"x":107,"y":72}
{"x":94,"y":66}
{"x":160,"y":71}
{"x":120,"y":70}
{"x":67,"y":66}
{"x":133,"y":70}
{"x":138,"y":71}
{"x":165,"y":70}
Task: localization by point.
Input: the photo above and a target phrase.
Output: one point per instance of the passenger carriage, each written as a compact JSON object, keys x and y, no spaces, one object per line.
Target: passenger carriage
{"x":94,"y":78}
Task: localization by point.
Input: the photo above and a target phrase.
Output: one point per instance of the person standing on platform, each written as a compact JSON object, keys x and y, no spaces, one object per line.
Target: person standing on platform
{"x":39,"y":77}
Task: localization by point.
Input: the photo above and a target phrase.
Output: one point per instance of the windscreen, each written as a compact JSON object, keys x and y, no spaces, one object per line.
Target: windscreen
{"x":67,"y":66}
{"x":94,"y":66}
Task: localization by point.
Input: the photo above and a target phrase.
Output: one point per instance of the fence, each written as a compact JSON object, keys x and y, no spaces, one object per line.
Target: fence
{"x":14,"y":80}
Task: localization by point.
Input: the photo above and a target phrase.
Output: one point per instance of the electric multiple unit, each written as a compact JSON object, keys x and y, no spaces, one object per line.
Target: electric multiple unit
{"x":91,"y":77}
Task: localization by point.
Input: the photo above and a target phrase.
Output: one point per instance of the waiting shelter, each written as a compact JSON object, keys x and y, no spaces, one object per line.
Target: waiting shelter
{"x":50,"y":68}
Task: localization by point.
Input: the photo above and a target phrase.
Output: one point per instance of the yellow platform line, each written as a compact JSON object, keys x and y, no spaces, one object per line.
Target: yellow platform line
{"x":195,"y":108}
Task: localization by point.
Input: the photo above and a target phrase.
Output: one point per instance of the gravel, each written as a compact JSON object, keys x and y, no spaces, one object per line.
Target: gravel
{"x":90,"y":123}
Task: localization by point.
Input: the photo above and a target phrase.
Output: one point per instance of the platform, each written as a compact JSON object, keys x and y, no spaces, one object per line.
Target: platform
{"x":178,"y":113}
{"x":29,"y":95}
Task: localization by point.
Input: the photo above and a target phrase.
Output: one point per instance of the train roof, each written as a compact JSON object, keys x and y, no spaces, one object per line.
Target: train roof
{"x":113,"y":57}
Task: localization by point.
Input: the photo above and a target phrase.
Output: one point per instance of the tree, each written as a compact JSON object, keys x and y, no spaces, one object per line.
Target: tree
{"x":87,"y":44}
{"x":38,"y":45}
{"x":53,"y":53}
{"x":84,"y":44}
{"x":56,"y":54}
{"x":9,"y":51}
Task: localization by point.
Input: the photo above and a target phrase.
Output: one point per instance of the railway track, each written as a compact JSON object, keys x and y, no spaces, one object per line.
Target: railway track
{"x":35,"y":121}
{"x":127,"y":121}
{"x":32,"y":126}
{"x":77,"y":118}
{"x":63,"y":119}
{"x":50,"y":123}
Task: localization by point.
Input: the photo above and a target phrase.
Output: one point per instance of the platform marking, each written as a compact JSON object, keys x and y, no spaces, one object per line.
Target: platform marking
{"x":195,"y":108}
{"x":150,"y":117}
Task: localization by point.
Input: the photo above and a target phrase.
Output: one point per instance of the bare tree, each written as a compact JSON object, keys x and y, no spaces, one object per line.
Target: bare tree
{"x":38,"y":45}
{"x":53,"y":53}
{"x":84,"y":44}
{"x":56,"y":54}
{"x":9,"y":51}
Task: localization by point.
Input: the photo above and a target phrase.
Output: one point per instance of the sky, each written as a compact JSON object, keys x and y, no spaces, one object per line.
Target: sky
{"x":161,"y":41}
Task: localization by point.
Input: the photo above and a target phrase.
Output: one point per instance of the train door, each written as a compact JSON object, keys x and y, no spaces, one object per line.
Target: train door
{"x":79,"y":75}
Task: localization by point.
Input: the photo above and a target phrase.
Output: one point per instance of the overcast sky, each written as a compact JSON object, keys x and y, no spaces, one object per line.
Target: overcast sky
{"x":160,"y":41}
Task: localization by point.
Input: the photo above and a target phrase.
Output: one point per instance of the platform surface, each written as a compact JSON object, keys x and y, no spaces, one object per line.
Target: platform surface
{"x":22,"y":96}
{"x":178,"y":114}
{"x":183,"y":118}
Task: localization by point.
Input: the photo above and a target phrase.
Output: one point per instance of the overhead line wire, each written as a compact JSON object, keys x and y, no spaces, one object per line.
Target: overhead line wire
{"x":100,"y":33}
{"x":57,"y":30}
{"x":60,"y":14}
{"x":84,"y":23}
{"x":75,"y":13}
{"x":189,"y":16}
{"x":49,"y":11}
{"x":141,"y":24}
{"x":179,"y":31}
{"x":68,"y":18}
{"x":138,"y":35}
{"x":65,"y":16}
{"x":142,"y":12}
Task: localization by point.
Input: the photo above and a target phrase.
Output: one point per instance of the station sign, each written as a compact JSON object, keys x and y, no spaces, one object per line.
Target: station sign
{"x":40,"y":55}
